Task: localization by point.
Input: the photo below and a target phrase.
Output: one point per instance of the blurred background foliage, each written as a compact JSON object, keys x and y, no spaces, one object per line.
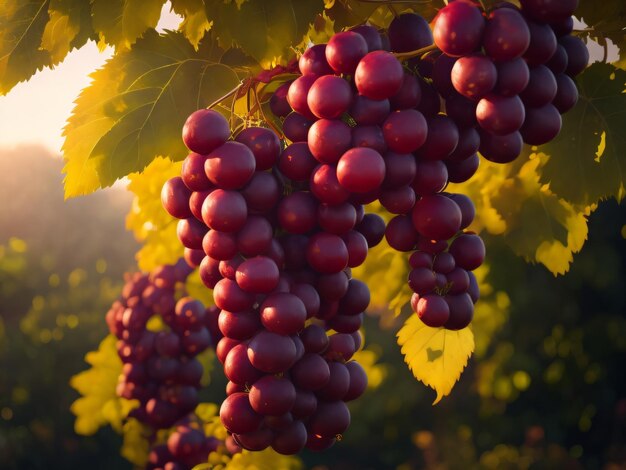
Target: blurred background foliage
{"x":546,"y":388}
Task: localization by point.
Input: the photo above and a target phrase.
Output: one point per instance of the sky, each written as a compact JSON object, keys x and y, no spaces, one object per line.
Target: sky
{"x":34,"y":112}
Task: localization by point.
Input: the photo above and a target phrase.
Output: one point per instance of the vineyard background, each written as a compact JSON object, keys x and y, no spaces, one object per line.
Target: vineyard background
{"x":545,"y":388}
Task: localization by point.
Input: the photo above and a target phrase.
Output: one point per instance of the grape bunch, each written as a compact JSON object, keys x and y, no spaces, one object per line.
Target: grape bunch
{"x":160,"y":368}
{"x":275,"y":221}
{"x":508,"y":73}
{"x":185,"y":448}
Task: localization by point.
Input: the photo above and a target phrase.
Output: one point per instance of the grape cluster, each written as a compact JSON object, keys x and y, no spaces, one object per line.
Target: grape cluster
{"x":508,"y":74}
{"x":275,"y":257}
{"x":275,"y":222}
{"x":160,"y":368}
{"x":186,"y":447}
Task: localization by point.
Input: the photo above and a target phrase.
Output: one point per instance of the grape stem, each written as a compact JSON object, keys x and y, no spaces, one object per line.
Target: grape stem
{"x":226,"y":96}
{"x":415,"y":53}
{"x":482,"y":4}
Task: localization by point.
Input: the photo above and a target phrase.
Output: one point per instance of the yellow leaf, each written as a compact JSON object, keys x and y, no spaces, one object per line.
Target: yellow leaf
{"x":436,"y":356}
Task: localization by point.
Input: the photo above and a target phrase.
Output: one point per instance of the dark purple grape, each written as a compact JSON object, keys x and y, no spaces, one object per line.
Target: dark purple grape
{"x":367,"y":112}
{"x":461,"y":109}
{"x":255,"y":238}
{"x":271,"y":395}
{"x":542,"y":125}
{"x":501,"y":148}
{"x":283,"y":313}
{"x":433,"y":310}
{"x":499,"y":114}
{"x":229,"y":296}
{"x":461,"y":311}
{"x":461,"y":171}
{"x":196,"y":341}
{"x":291,"y":440}
{"x":325,"y":185}
{"x":189,"y":313}
{"x":468,"y":250}
{"x":337,"y":219}
{"x":371,"y":36}
{"x":466,"y":205}
{"x":317,"y":444}
{"x":258,"y":275}
{"x":338,"y":383}
{"x":205,"y":130}
{"x":237,"y":415}
{"x":193,"y":173}
{"x":296,"y":162}
{"x":313,"y":61}
{"x":473,"y":289}
{"x":469,"y":142}
{"x":409,"y":32}
{"x":175,"y":198}
{"x":443,"y":263}
{"x":193,"y":257}
{"x":369,"y":136}
{"x":506,"y":36}
{"x":558,"y":62}
{"x":298,"y":92}
{"x":358,"y":381}
{"x":442,"y":138}
{"x":577,"y":55}
{"x":310,"y":373}
{"x":239,"y":325}
{"x":219,"y":245}
{"x":264,"y":144}
{"x":474,"y":76}
{"x":400,"y":169}
{"x":547,"y":11}
{"x":542,"y":44}
{"x":330,"y":419}
{"x":372,"y":227}
{"x":256,"y":440}
{"x":562,"y":27}
{"x":441,"y":75}
{"x":327,"y":253}
{"x":422,"y":280}
{"x":297,"y":213}
{"x":271,"y":353}
{"x":329,"y":139}
{"x":329,"y":97}
{"x":400,"y":233}
{"x":458,"y":280}
{"x":224,"y":346}
{"x":278,"y":102}
{"x":230,"y":166}
{"x":190,"y":232}
{"x":209,"y":272}
{"x":398,"y":200}
{"x":296,"y":127}
{"x":541,"y":88}
{"x":430,"y":104}
{"x":405,"y":131}
{"x":332,"y":286}
{"x":409,"y":95}
{"x":379,"y":75}
{"x":459,"y":28}
{"x":513,"y":77}
{"x":344,"y":51}
{"x":357,"y":247}
{"x":225,"y":211}
{"x":566,"y":94}
{"x":360,"y":170}
{"x":262,"y":192}
{"x":294,"y":247}
{"x":436,"y":217}
{"x":421,"y":259}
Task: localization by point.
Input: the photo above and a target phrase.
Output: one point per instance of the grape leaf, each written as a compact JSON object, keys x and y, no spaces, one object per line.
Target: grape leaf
{"x":586,"y":158}
{"x":69,"y":27}
{"x":147,"y":219}
{"x":264,"y":29}
{"x":195,"y":22}
{"x":120,"y":23}
{"x":135,"y":108}
{"x":98,"y":404}
{"x":536,"y":223}
{"x":436,"y":356}
{"x":22,"y":24}
{"x":604,"y":20}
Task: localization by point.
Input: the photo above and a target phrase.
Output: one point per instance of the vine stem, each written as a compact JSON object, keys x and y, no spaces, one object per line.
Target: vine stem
{"x":415,"y":53}
{"x":226,"y":96}
{"x":482,"y":4}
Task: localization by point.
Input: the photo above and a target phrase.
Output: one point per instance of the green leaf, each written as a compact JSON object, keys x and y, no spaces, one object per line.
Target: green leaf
{"x":120,"y":23}
{"x":586,"y":158}
{"x":69,"y":27}
{"x":264,"y":29}
{"x":195,"y":22}
{"x":135,"y":108}
{"x":604,"y":20}
{"x":22,"y":24}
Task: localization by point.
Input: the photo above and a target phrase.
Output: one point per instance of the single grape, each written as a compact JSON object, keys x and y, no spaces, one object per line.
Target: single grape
{"x":501,"y":148}
{"x":541,"y":88}
{"x":225,"y":211}
{"x":329,"y":139}
{"x":372,"y":227}
{"x":237,"y":415}
{"x":542,"y":44}
{"x":442,"y":70}
{"x":313,"y":61}
{"x":433,"y":310}
{"x":205,"y":130}
{"x":344,"y":51}
{"x":441,"y":140}
{"x":239,"y":325}
{"x":371,"y":36}
{"x":542,"y":125}
{"x":175,"y":198}
{"x":474,"y":76}
{"x":297,"y":213}
{"x":360,"y":170}
{"x":409,"y":95}
{"x":338,"y":218}
{"x":507,"y":35}
{"x":513,"y":77}
{"x":283,"y":313}
{"x":400,"y":233}
{"x":436,"y":217}
{"x":409,"y":32}
{"x":258,"y":275}
{"x":279,"y":104}
{"x":271,"y":395}
{"x":296,"y":127}
{"x":325,"y":185}
{"x":327,"y":253}
{"x":367,"y":112}
{"x":459,"y":28}
{"x":255,"y":237}
{"x":546,"y":11}
{"x":577,"y":54}
{"x":461,"y":311}
{"x":264,"y":144}
{"x":296,"y":162}
{"x":405,"y":131}
{"x":379,"y":75}
{"x":330,"y":419}
{"x":468,"y":212}
{"x":558,"y":62}
{"x":566,"y":94}
{"x":271,"y":353}
{"x":298,"y":93}
{"x":468,"y":250}
{"x":237,"y":366}
{"x":190,"y":232}
{"x":329,"y":97}
{"x":193,"y":173}
{"x":398,"y":200}
{"x":261,"y":193}
{"x":499,"y":114}
{"x":461,"y":109}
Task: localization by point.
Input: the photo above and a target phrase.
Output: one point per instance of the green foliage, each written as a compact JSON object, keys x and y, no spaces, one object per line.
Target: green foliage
{"x":264,"y":29}
{"x":195,"y":22}
{"x":587,"y":157}
{"x":135,"y":109}
{"x":120,"y":23}
{"x":605,"y":20}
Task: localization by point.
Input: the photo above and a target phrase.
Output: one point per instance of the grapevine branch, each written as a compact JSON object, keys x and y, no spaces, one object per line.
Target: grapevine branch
{"x":415,"y":53}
